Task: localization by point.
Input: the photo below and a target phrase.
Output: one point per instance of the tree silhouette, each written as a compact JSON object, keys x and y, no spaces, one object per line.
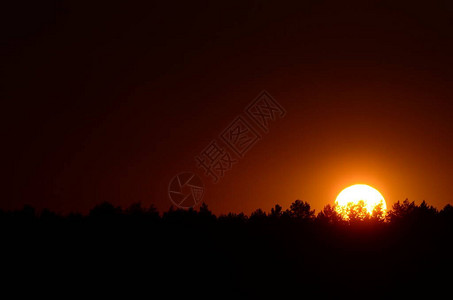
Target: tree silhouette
{"x":233,"y":218}
{"x":105,"y":210}
{"x":378,"y":213}
{"x":300,"y":210}
{"x":205,"y":214}
{"x":356,"y":212}
{"x":276,"y":212}
{"x":329,"y":215}
{"x":135,"y":210}
{"x":447,"y":212}
{"x":412,"y":241}
{"x":401,"y":210}
{"x":258,"y":215}
{"x":426,"y":211}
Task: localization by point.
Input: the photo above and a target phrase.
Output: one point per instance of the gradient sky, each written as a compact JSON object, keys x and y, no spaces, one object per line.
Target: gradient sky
{"x":109,"y":102}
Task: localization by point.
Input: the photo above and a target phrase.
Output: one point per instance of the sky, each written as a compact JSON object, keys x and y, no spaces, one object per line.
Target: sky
{"x":108,"y":102}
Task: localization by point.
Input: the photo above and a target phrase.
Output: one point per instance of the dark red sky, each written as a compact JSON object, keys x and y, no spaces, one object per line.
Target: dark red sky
{"x":109,"y":102}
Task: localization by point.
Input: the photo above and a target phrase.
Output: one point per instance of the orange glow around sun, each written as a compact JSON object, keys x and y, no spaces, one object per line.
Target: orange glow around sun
{"x":359,"y":195}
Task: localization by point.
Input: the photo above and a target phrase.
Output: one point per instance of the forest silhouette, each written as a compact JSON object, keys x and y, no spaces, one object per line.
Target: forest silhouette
{"x":276,"y":253}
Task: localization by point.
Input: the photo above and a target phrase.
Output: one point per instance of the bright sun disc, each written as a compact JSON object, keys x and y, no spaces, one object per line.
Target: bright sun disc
{"x":360,"y":192}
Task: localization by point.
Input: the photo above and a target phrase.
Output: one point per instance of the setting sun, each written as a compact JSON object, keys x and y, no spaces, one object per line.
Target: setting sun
{"x":354,"y":194}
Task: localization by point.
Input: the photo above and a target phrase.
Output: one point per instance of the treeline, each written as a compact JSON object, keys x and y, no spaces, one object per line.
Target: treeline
{"x":298,"y":212}
{"x":279,"y":253}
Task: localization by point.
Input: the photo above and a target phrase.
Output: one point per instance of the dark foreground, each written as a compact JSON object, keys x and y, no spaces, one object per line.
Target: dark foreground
{"x":195,"y":253}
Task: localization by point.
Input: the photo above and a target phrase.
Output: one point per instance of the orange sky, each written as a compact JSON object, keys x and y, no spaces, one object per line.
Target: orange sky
{"x":357,"y":131}
{"x":109,"y":103}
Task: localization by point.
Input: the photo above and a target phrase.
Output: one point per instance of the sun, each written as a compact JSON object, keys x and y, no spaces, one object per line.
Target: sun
{"x":354,"y":194}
